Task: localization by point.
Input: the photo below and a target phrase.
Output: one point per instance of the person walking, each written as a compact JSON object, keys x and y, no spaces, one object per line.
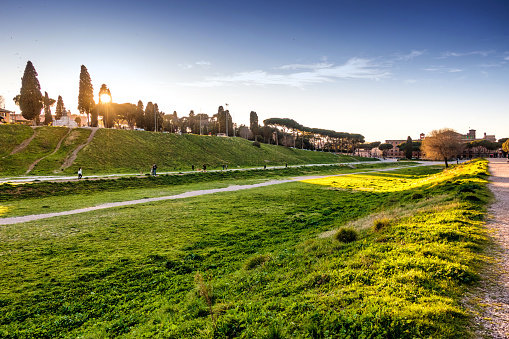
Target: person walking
{"x":80,"y":174}
{"x":154,"y":168}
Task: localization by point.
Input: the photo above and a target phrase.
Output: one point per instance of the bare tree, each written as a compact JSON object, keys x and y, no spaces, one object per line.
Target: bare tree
{"x":442,"y":144}
{"x":2,"y":101}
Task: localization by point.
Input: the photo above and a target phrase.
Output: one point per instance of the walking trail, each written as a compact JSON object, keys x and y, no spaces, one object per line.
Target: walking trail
{"x":24,"y":143}
{"x":31,"y":167}
{"x":68,"y":162}
{"x":26,"y":218}
{"x":491,"y":314}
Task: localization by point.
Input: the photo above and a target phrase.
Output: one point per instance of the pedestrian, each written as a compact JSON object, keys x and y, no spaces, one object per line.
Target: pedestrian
{"x":204,"y":167}
{"x":223,"y":167}
{"x":154,"y":168}
{"x":192,"y":167}
{"x":80,"y":173}
{"x":227,"y":167}
{"x":286,"y":165}
{"x":264,"y":166}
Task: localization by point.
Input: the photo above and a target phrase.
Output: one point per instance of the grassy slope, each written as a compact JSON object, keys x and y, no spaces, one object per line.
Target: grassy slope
{"x":44,"y":143}
{"x":137,"y":272}
{"x":53,"y":162}
{"x":120,"y":151}
{"x":11,"y":136}
{"x":135,"y":151}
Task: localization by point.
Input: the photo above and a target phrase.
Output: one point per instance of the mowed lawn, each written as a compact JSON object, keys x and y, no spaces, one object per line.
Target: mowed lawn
{"x":256,"y":263}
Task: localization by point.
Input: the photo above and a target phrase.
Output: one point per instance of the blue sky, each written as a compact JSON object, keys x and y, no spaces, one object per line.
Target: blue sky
{"x":384,"y":69}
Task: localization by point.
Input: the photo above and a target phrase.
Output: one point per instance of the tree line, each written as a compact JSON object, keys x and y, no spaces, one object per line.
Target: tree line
{"x":149,"y":117}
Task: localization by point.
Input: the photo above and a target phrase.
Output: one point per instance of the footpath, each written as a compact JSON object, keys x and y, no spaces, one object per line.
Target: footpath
{"x":491,"y":311}
{"x":26,"y":218}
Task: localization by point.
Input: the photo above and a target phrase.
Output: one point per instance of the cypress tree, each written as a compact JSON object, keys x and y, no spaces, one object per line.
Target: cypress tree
{"x":47,"y":110}
{"x":149,"y":116}
{"x":253,"y":124}
{"x":107,"y":118}
{"x":408,"y":148}
{"x":140,"y":115}
{"x":30,"y":101}
{"x":86,"y":94}
{"x":59,"y":111}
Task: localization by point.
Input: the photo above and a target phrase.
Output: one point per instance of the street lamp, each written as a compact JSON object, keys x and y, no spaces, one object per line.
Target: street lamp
{"x":106,"y":99}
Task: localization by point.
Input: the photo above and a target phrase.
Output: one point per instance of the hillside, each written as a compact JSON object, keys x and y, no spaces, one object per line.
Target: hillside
{"x":121,"y":151}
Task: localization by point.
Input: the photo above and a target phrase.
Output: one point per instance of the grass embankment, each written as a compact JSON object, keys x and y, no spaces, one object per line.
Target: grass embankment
{"x":54,"y":161}
{"x":120,"y":151}
{"x":44,"y":143}
{"x":251,"y":263}
{"x":11,"y":136}
{"x":135,"y":151}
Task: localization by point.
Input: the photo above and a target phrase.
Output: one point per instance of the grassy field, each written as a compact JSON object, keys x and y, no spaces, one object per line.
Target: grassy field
{"x":122,"y":151}
{"x":256,"y":263}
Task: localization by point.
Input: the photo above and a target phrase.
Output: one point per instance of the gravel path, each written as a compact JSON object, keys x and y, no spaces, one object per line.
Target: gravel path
{"x":26,"y":218}
{"x":492,"y":296}
{"x":17,"y":220}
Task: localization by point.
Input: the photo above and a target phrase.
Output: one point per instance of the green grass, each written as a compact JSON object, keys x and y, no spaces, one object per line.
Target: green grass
{"x":123,"y":151}
{"x":53,"y":162}
{"x":46,"y":197}
{"x":258,"y":258}
{"x":11,"y":136}
{"x":44,"y":143}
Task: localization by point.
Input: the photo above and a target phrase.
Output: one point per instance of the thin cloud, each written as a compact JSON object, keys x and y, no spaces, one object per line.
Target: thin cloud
{"x":304,"y":66}
{"x":462,"y":54}
{"x":410,"y":56}
{"x":203,"y":64}
{"x":354,"y":68}
{"x":442,"y":69}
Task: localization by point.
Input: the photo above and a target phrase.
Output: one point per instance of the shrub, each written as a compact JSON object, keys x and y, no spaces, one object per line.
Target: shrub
{"x":381,"y":224}
{"x":256,"y":144}
{"x":346,"y":235}
{"x":256,"y":261}
{"x":417,"y":196}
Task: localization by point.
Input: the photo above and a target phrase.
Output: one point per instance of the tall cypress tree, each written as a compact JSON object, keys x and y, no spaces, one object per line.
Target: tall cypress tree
{"x":59,"y":111}
{"x":47,"y":110}
{"x":107,"y":118}
{"x":409,"y":148}
{"x":253,"y":124}
{"x":140,"y":115}
{"x":86,"y":94}
{"x":30,"y":101}
{"x":149,"y":116}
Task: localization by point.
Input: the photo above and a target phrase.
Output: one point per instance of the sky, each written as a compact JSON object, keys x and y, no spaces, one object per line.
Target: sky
{"x":384,"y":69}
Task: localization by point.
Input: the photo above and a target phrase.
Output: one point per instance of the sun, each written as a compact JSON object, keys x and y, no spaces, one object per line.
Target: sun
{"x":105,"y":98}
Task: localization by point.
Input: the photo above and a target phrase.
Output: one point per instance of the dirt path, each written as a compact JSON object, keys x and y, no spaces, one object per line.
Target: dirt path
{"x":492,"y":296}
{"x":26,"y":218}
{"x":31,"y":167}
{"x":17,"y":220}
{"x":68,"y":162}
{"x":24,"y":143}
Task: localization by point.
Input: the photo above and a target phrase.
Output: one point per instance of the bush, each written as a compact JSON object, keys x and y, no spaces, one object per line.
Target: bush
{"x":417,"y":196}
{"x":256,"y":144}
{"x":256,"y":261}
{"x":381,"y":224}
{"x":346,"y":235}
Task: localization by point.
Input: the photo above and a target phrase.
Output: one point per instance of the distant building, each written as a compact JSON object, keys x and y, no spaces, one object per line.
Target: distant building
{"x":468,"y":153}
{"x":5,"y":115}
{"x":65,"y":120}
